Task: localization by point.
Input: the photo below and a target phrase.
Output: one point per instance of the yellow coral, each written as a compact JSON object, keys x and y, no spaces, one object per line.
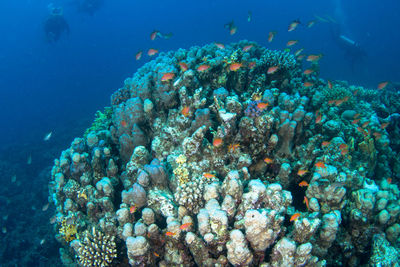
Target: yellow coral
{"x":181,"y":172}
{"x":181,"y":159}
{"x":68,"y":231}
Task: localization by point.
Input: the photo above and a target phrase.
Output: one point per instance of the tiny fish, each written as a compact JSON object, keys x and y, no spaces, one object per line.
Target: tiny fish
{"x":170,"y":233}
{"x":308,"y":84}
{"x":235,"y":66}
{"x":247,"y":48}
{"x":308,"y":71}
{"x":365,"y":124}
{"x":301,"y":172}
{"x":292,"y":43}
{"x":45,"y":207}
{"x":377,"y":135}
{"x":271,"y":36}
{"x":233,"y":30}
{"x":343,"y":146}
{"x":14,"y":178}
{"x":294,"y":217}
{"x":217,"y":142}
{"x":303,"y":183}
{"x":156,"y":254}
{"x":293,"y":25}
{"x":268,"y":160}
{"x":262,"y":105}
{"x":132,"y":209}
{"x":326,"y":143}
{"x":233,"y":147}
{"x":48,"y":136}
{"x":251,"y":65}
{"x":208,"y":175}
{"x":249,"y":15}
{"x":310,"y":23}
{"x":356,"y":115}
{"x":384,"y":125}
{"x":220,"y":46}
{"x":330,"y":86}
{"x":389,"y":180}
{"x":42,"y":241}
{"x":53,"y":219}
{"x":153,"y":35}
{"x":314,"y":58}
{"x":320,"y":164}
{"x":167,"y":77}
{"x":300,"y":57}
{"x":152,"y":52}
{"x":203,"y":67}
{"x":185,"y":226}
{"x":184,"y":67}
{"x":272,"y":70}
{"x":138,"y":55}
{"x":382,"y":85}
{"x":318,"y":119}
{"x":305,"y":201}
{"x":123,"y":123}
{"x":29,"y":160}
{"x":185,"y":111}
{"x":298,"y":52}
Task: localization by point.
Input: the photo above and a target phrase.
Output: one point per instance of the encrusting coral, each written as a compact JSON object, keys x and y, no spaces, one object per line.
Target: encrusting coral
{"x":227,"y":164}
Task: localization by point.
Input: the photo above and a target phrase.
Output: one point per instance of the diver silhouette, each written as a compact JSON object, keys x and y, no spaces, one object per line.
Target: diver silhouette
{"x":55,"y":25}
{"x":353,"y":51}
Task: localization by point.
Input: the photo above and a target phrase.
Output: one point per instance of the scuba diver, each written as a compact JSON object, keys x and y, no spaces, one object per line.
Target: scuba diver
{"x":89,"y":6}
{"x":353,"y":52}
{"x":55,"y":24}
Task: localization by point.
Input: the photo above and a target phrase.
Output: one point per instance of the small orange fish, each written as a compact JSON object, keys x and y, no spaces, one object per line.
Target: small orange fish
{"x":217,"y":142}
{"x":320,"y":164}
{"x":247,"y":48}
{"x":233,"y":30}
{"x":272,"y":70}
{"x":360,"y":130}
{"x":220,"y":46}
{"x":384,"y":125}
{"x":377,"y":135}
{"x":293,"y":25}
{"x":262,"y":105}
{"x":318,"y":119}
{"x":303,"y":183}
{"x":153,"y":35}
{"x":271,"y":36}
{"x":330,"y":86}
{"x":389,"y":180}
{"x":308,"y":84}
{"x":252,"y":65}
{"x":294,"y":217}
{"x":314,"y":58}
{"x":298,"y":52}
{"x":152,"y":52}
{"x":170,"y":233}
{"x":184,"y":67}
{"x":308,"y":71}
{"x":301,"y":172}
{"x":208,"y":175}
{"x":233,"y":147}
{"x":132,"y":209}
{"x":292,"y":43}
{"x":185,"y":226}
{"x":203,"y":67}
{"x":300,"y":57}
{"x":382,"y":85}
{"x":331,"y":102}
{"x":343,"y":146}
{"x":310,"y":23}
{"x":235,"y":66}
{"x":355,"y":92}
{"x":123,"y":123}
{"x":325,"y":143}
{"x":185,"y":111}
{"x":139,"y":55}
{"x":306,"y":202}
{"x":365,"y":124}
{"x":268,"y":160}
{"x":156,"y":254}
{"x":356,"y":115}
{"x":167,"y":77}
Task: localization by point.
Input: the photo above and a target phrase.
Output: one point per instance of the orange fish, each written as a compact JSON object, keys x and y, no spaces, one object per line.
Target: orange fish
{"x":365,"y":124}
{"x":331,"y":102}
{"x":384,"y":125}
{"x":272,"y":69}
{"x":268,"y":160}
{"x":301,"y":172}
{"x":233,"y":147}
{"x":235,"y":66}
{"x":360,"y":130}
{"x":320,"y":164}
{"x":308,"y":84}
{"x":298,"y":52}
{"x":318,"y":119}
{"x":203,"y":67}
{"x":208,"y":175}
{"x":356,"y":115}
{"x":139,"y":55}
{"x":233,"y":30}
{"x":271,"y":36}
{"x":156,"y":254}
{"x":355,"y":121}
{"x":217,"y":142}
{"x":308,"y":71}
{"x":382,"y":85}
{"x":294,"y":217}
{"x":355,"y":92}
{"x":330,"y":86}
{"x":292,"y":43}
{"x":167,"y":77}
{"x":123,"y":123}
{"x":220,"y":46}
{"x":306,"y":202}
{"x":293,"y":25}
{"x":377,"y":135}
{"x":343,"y":146}
{"x":185,"y":111}
{"x":152,"y":52}
{"x":303,"y":183}
{"x":389,"y":180}
{"x":184,"y":67}
{"x":326,"y":143}
{"x":252,"y":65}
{"x":132,"y":209}
{"x":153,"y":35}
{"x":185,"y":226}
{"x":310,"y":23}
{"x":300,"y":57}
{"x":262,"y":105}
{"x":170,"y":233}
{"x":314,"y":58}
{"x":247,"y":48}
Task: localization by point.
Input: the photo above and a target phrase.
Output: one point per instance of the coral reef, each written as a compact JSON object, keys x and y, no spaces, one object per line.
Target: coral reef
{"x":225,"y":166}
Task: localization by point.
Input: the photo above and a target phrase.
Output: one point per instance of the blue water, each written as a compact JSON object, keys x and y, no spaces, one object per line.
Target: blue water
{"x":58,"y":87}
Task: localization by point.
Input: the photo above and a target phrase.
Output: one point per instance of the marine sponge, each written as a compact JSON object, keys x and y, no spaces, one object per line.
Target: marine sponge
{"x":96,"y":249}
